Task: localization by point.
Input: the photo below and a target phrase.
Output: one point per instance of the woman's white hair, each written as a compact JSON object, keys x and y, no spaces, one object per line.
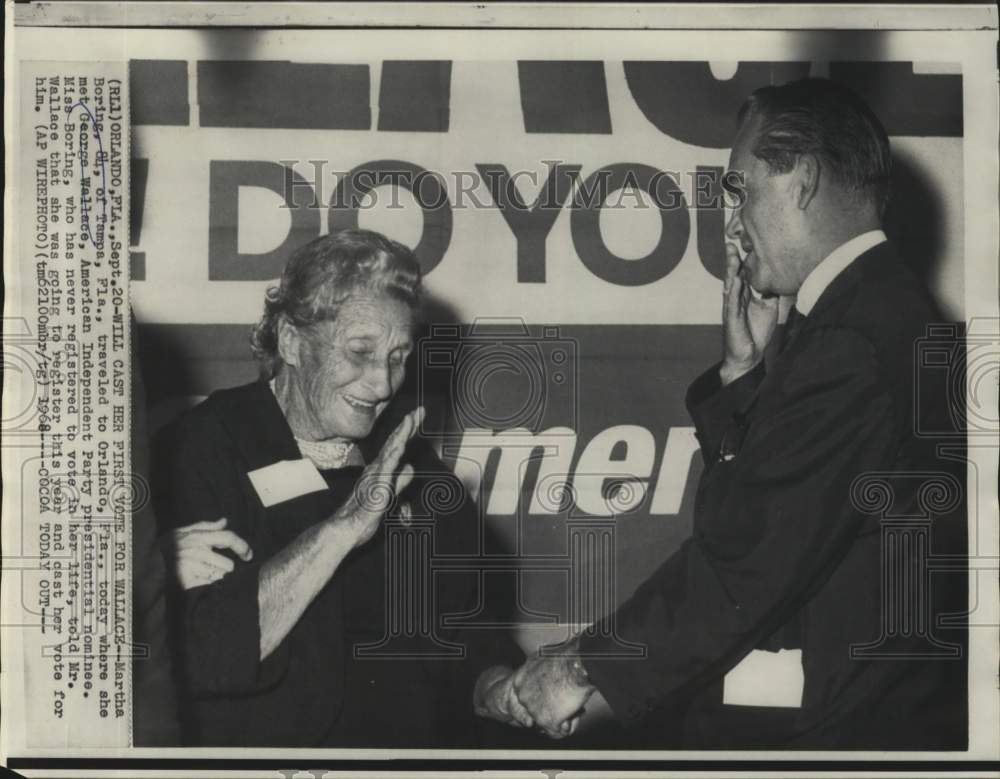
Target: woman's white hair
{"x":324,"y":273}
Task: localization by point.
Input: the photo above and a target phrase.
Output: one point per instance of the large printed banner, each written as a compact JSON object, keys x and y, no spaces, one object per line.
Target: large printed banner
{"x":475,"y":164}
{"x":569,"y":217}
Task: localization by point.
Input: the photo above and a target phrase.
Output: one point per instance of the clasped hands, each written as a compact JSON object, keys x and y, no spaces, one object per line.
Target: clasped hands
{"x":548,"y":692}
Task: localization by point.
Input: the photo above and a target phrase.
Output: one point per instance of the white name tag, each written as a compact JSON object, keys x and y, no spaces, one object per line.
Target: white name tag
{"x":766,"y":679}
{"x":286,"y":480}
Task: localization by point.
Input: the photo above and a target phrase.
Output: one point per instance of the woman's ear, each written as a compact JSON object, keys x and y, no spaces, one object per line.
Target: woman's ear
{"x":289,"y":341}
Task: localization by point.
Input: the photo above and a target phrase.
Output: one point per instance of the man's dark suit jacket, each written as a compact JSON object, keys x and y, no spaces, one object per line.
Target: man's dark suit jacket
{"x":781,"y":557}
{"x":313,"y":690}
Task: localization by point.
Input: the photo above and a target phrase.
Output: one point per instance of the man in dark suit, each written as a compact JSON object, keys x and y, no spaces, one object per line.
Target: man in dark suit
{"x":784,"y":577}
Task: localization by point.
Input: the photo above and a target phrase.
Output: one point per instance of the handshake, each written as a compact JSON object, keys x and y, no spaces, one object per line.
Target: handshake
{"x":548,"y":692}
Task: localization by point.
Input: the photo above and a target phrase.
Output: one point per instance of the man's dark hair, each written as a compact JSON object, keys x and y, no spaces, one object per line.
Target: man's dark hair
{"x":821,"y":117}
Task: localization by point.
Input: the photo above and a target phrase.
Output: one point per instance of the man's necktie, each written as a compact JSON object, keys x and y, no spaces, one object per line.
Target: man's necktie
{"x":792,"y":326}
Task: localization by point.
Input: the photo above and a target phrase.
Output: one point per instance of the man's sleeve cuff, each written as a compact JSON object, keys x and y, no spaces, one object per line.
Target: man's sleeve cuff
{"x":609,"y":675}
{"x":712,"y":405}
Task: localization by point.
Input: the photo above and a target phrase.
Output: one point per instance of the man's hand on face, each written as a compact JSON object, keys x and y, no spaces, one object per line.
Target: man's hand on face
{"x":748,"y":322}
{"x":552,"y":691}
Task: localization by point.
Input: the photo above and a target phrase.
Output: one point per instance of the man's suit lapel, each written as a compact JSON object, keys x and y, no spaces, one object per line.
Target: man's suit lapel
{"x":828,"y":310}
{"x":878,"y":261}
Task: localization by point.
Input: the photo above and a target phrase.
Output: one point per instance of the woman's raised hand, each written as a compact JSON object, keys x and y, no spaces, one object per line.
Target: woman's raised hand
{"x":380,"y":482}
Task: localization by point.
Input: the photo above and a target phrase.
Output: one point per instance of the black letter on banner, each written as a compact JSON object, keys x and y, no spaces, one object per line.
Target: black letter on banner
{"x":284,"y":95}
{"x":586,"y":227}
{"x":137,"y":206}
{"x":427,"y":190}
{"x":906,"y":103}
{"x":564,"y":97}
{"x":225,"y":263}
{"x":415,"y":96}
{"x":158,"y":92}
{"x":530,"y":225}
{"x":685,"y":101}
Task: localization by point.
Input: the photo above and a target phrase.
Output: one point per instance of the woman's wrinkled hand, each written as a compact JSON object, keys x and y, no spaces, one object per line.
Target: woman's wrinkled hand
{"x":194,"y":553}
{"x":381,"y":481}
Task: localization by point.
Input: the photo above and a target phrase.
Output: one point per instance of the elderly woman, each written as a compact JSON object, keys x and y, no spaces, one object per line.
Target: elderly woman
{"x":289,"y":479}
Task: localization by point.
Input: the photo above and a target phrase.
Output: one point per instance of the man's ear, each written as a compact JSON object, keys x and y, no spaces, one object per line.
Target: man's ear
{"x":289,"y":341}
{"x":806,"y":179}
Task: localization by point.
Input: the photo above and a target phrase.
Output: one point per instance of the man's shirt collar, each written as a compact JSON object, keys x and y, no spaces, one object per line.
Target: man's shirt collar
{"x":836,"y":261}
